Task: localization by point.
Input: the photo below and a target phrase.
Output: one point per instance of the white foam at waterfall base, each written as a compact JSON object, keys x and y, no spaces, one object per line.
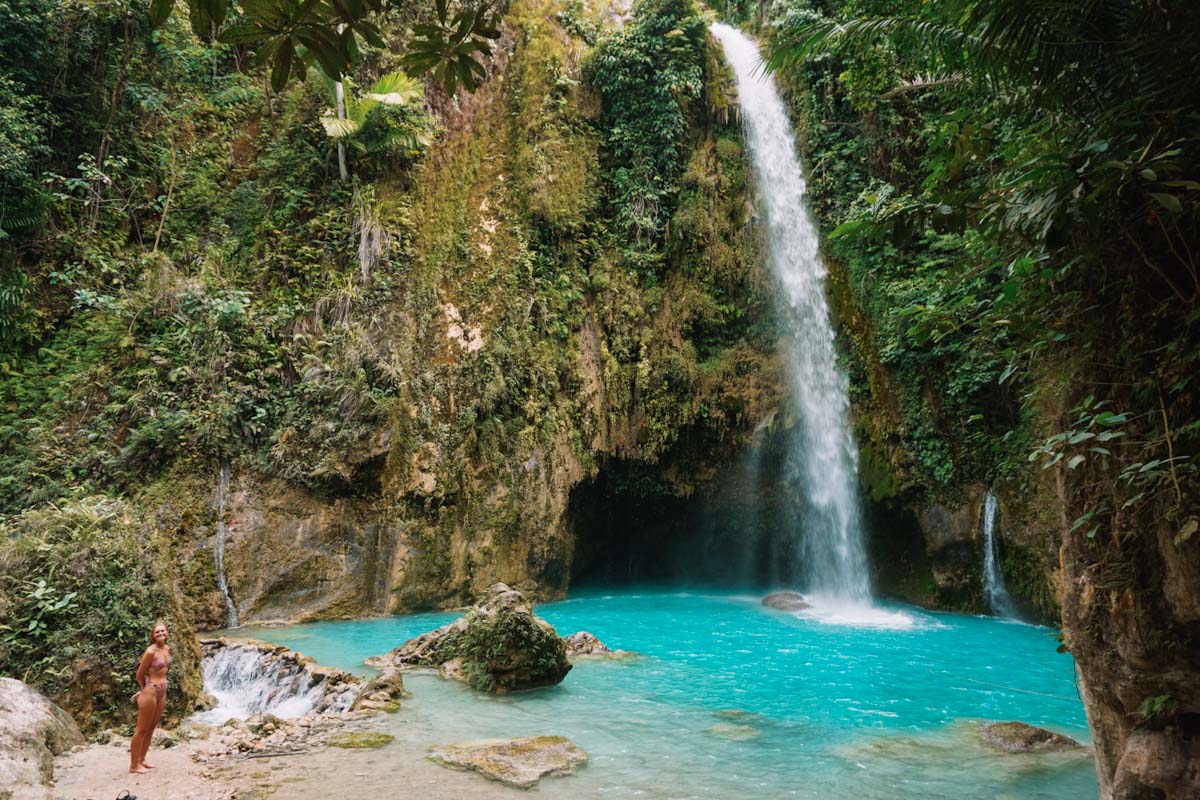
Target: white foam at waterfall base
{"x":245,"y":684}
{"x":834,"y":611}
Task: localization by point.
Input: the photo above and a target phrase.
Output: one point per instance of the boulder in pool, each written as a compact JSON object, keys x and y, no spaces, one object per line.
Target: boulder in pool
{"x":786,"y":601}
{"x":33,"y":730}
{"x":583,"y":644}
{"x":514,"y":762}
{"x":500,"y":646}
{"x":1017,"y":737}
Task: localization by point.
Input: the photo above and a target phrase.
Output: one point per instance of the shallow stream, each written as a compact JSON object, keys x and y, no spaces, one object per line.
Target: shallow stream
{"x":733,"y":700}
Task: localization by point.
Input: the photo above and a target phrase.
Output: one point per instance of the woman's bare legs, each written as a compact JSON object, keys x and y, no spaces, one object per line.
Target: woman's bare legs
{"x":155,"y":716}
{"x":149,"y":708}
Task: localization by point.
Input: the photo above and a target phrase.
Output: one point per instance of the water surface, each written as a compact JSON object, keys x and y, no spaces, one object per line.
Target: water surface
{"x":733,"y":700}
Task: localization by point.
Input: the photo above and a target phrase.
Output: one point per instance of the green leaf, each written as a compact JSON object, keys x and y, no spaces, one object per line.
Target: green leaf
{"x":1168,"y":201}
{"x":283,"y":65}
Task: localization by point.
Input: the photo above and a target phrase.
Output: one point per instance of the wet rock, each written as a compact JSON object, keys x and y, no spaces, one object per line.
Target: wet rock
{"x":501,"y":646}
{"x":515,"y":762}
{"x":739,"y":716}
{"x":1017,"y":737}
{"x":360,"y":740}
{"x":384,"y":693}
{"x":263,"y":723}
{"x":33,"y":730}
{"x":734,"y":733}
{"x":583,"y":643}
{"x":163,"y":738}
{"x":786,"y":601}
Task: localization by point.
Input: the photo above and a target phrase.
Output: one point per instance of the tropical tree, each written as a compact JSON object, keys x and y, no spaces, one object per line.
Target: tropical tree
{"x":293,"y":35}
{"x":348,"y":122}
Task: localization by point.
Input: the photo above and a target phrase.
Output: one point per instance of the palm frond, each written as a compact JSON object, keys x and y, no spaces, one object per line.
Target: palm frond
{"x":396,"y":89}
{"x":339,"y":128}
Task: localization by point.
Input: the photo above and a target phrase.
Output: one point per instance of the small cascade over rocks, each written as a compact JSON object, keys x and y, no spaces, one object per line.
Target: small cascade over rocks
{"x":231,"y":614}
{"x":823,"y":458}
{"x":248,"y":678}
{"x":994,"y":589}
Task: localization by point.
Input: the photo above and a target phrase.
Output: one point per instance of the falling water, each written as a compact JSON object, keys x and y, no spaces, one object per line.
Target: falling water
{"x":244,"y":682}
{"x":823,"y":454}
{"x":231,"y":615}
{"x":993,"y":580}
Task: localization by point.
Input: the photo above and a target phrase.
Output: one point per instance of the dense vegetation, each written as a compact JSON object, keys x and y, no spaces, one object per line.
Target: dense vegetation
{"x":191,"y":281}
{"x":1011,"y":199}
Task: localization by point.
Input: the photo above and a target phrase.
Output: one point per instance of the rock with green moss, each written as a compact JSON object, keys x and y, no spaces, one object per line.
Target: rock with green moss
{"x":499,"y":646}
{"x":360,"y":740}
{"x":515,"y":762}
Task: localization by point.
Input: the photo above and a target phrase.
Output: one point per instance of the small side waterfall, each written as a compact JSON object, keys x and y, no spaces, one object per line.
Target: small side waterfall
{"x":993,"y":579}
{"x":231,"y":615}
{"x":250,"y":679}
{"x":823,"y":457}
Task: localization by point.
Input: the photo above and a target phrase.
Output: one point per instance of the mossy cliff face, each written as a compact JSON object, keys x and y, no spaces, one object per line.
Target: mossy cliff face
{"x":532,"y":352}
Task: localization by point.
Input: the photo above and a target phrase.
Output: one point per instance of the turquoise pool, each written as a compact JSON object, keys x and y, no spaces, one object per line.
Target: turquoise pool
{"x":730,"y":699}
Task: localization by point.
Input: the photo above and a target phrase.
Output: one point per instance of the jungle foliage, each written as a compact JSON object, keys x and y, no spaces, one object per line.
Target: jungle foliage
{"x":1011,"y":186}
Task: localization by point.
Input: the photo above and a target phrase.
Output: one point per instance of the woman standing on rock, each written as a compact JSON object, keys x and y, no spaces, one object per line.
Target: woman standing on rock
{"x":152,"y":677}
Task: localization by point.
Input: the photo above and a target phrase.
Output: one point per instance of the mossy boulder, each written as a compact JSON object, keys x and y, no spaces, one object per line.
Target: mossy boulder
{"x":500,"y":646}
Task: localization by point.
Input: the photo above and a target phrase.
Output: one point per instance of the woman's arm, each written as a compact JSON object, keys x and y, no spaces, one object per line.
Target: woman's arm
{"x":143,"y":668}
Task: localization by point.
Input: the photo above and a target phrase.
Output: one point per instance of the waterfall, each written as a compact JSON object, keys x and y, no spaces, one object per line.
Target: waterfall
{"x":993,"y":579}
{"x":823,"y":458}
{"x":246,"y":681}
{"x":231,"y":615}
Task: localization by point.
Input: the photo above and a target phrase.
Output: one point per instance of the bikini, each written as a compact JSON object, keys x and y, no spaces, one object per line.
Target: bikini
{"x":160,"y":690}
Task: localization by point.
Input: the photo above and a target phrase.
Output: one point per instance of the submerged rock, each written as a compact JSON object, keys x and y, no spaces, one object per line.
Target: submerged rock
{"x":360,"y":740}
{"x":499,"y":646}
{"x":33,"y":730}
{"x":786,"y":601}
{"x":1017,"y":737}
{"x":515,"y":762}
{"x":739,"y":716}
{"x":734,"y":733}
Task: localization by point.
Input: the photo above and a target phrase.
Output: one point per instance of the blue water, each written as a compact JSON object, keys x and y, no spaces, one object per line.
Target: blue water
{"x":730,"y":699}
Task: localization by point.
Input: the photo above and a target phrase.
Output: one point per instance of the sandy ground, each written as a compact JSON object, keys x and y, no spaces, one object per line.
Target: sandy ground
{"x":101,"y":772}
{"x":399,"y":769}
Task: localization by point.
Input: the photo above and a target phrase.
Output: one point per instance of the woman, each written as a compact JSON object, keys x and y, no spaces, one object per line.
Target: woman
{"x":152,"y":677}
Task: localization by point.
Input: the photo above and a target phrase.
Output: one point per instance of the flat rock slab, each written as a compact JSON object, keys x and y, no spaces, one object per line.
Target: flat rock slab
{"x":514,"y":762}
{"x":1017,"y":737}
{"x":352,"y":740}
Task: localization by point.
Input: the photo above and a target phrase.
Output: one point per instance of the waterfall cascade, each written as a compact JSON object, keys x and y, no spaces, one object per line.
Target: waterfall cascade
{"x":248,"y":680}
{"x":231,"y":615}
{"x":993,"y":579}
{"x":823,"y":457}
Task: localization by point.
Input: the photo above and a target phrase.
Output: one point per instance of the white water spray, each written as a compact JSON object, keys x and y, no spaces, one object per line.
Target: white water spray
{"x":993,"y":579}
{"x":245,"y":682}
{"x":231,"y":615}
{"x":823,"y":454}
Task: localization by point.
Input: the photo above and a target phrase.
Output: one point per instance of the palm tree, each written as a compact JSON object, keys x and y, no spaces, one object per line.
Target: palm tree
{"x":346,"y":123}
